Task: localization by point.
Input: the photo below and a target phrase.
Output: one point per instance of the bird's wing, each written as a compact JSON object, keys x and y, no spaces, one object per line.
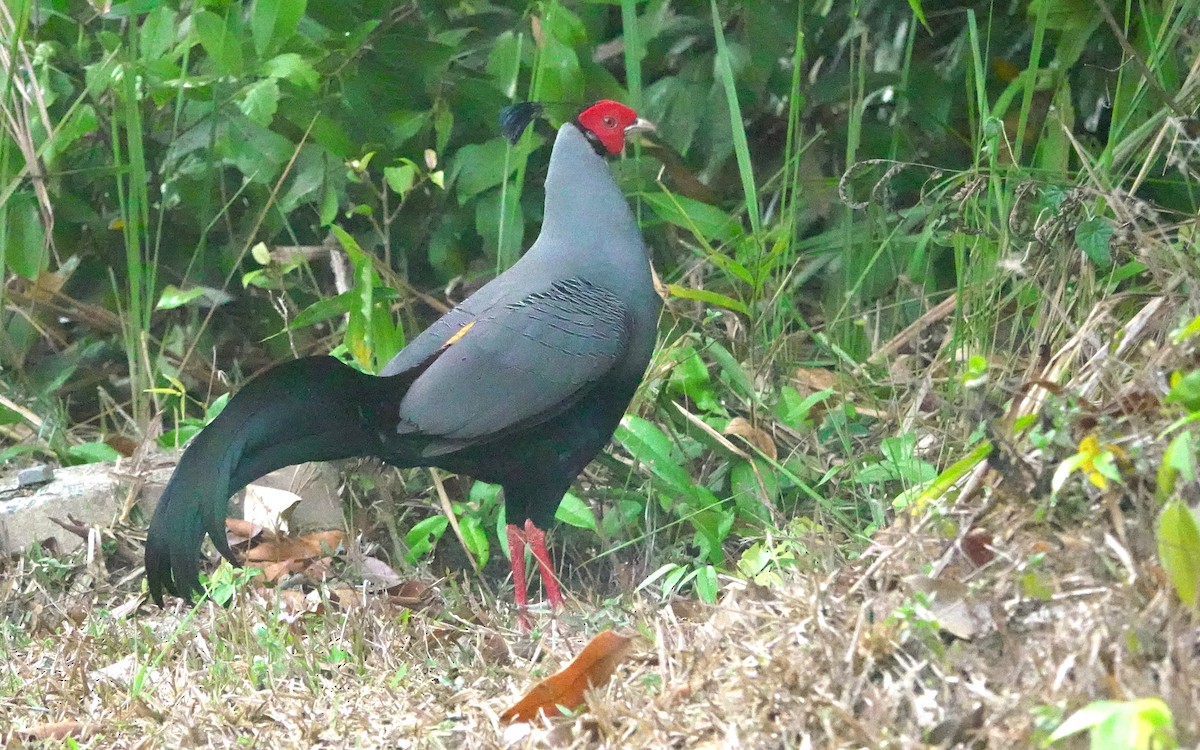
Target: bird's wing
{"x":518,"y":363}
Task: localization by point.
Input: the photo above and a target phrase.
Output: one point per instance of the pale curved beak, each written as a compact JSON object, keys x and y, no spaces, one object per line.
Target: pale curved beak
{"x":640,"y":126}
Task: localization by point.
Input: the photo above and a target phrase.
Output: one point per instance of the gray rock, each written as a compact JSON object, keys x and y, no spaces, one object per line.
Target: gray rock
{"x":96,"y":495}
{"x":34,"y":475}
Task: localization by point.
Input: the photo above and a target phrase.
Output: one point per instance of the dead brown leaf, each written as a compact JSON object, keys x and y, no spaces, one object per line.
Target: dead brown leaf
{"x":295,"y":548}
{"x":742,"y":427}
{"x":59,"y":730}
{"x":810,"y":380}
{"x":591,"y":669}
{"x":269,"y":507}
{"x":238,"y":531}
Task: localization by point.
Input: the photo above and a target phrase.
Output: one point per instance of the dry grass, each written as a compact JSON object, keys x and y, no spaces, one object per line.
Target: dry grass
{"x":1065,"y":613}
{"x":979,"y":621}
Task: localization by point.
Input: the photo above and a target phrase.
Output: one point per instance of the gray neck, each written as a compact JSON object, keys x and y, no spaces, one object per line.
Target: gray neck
{"x":587,"y":224}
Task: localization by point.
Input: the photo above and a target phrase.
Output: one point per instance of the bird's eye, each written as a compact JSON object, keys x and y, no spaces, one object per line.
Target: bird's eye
{"x":610,"y":121}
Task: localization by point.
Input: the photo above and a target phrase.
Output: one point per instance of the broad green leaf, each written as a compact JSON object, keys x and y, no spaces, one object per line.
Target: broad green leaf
{"x":9,"y":416}
{"x":274,"y":22}
{"x":24,"y":236}
{"x":703,"y":220}
{"x":1179,"y":550}
{"x":422,"y":537}
{"x":260,"y":100}
{"x":712,"y":526}
{"x":173,"y":297}
{"x":1185,"y":390}
{"x":488,"y":218}
{"x":1178,"y":459}
{"x":733,"y":370}
{"x":221,"y":41}
{"x":575,"y":512}
{"x":323,"y":309}
{"x":216,"y":407}
{"x":400,"y":178}
{"x":1094,"y":237}
{"x":292,"y":68}
{"x":503,"y":60}
{"x":94,"y":452}
{"x":1142,"y":724}
{"x":479,"y":166}
{"x":652,"y":447}
{"x":157,"y":33}
{"x":475,"y":538}
{"x":746,"y":490}
{"x":706,"y":584}
{"x":561,"y":75}
{"x":689,"y":377}
{"x":82,"y":121}
{"x":1187,"y":331}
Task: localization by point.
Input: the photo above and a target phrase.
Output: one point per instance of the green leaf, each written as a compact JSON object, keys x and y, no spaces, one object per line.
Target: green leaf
{"x":293,"y":68}
{"x":475,"y":538}
{"x":706,"y":584}
{"x":1178,"y":539}
{"x":652,"y":447}
{"x":400,"y":178}
{"x":274,"y":22}
{"x":422,"y":537}
{"x":158,"y":33}
{"x":83,"y":121}
{"x":260,"y":100}
{"x":479,"y":166}
{"x":173,"y":297}
{"x":919,"y":13}
{"x":689,"y":377}
{"x":1142,"y":724}
{"x":216,"y":407}
{"x":705,"y":221}
{"x":733,"y":370}
{"x":575,"y":512}
{"x":1185,"y":390}
{"x":1178,"y":459}
{"x":487,"y":223}
{"x":94,"y":452}
{"x":221,"y":41}
{"x":23,"y":235}
{"x":708,"y":297}
{"x":561,"y":75}
{"x":323,"y":310}
{"x":746,"y":490}
{"x":712,"y":526}
{"x":1094,"y":237}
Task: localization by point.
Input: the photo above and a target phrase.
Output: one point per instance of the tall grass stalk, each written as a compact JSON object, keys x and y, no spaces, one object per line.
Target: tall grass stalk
{"x":141,"y":260}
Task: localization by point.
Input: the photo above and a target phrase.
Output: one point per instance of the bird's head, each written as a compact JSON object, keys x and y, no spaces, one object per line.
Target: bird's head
{"x":605,"y":123}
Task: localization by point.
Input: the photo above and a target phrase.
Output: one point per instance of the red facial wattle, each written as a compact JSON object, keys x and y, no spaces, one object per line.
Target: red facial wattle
{"x":607,"y":120}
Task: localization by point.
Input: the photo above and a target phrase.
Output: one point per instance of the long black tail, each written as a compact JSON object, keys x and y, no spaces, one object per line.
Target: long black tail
{"x":313,"y":409}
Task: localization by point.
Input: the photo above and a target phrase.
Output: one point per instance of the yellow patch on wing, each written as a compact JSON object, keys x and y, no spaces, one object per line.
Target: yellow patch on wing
{"x":461,"y":332}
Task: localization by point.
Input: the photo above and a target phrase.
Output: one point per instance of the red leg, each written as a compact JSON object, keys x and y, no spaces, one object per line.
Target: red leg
{"x":516,"y":554}
{"x":537,"y":539}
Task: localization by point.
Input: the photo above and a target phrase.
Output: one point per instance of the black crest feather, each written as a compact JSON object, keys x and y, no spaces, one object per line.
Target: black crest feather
{"x":516,"y":117}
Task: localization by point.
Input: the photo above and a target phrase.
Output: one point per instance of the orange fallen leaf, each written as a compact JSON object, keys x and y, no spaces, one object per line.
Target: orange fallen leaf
{"x":743,"y":428}
{"x":295,"y":548}
{"x":810,"y":380}
{"x":238,"y":531}
{"x":59,"y":730}
{"x":591,"y":669}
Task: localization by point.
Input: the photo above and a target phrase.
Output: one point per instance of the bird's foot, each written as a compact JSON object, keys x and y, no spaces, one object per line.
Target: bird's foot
{"x":536,"y":538}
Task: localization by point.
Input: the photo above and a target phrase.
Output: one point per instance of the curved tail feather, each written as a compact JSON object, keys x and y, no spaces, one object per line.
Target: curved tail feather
{"x":312,"y":409}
